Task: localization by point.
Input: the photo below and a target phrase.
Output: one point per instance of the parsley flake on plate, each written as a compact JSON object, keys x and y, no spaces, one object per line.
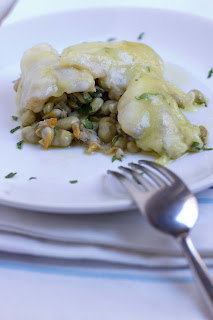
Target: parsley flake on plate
{"x":210,"y":73}
{"x":19,"y":144}
{"x":15,"y":118}
{"x":15,"y":129}
{"x":115,"y":158}
{"x":32,"y":178}
{"x":10,"y":175}
{"x":207,"y":149}
{"x":141,"y":35}
{"x":73,"y":181}
{"x":111,"y":39}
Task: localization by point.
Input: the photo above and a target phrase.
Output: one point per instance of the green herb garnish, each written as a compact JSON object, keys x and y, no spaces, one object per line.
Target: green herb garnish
{"x":136,"y":79}
{"x":111,"y":39}
{"x":10,"y":175}
{"x":85,"y":109}
{"x":115,"y":139}
{"x":195,"y":144}
{"x":19,"y":144}
{"x":15,"y":129}
{"x":148,"y":96}
{"x":87,"y":97}
{"x":148,"y":68}
{"x":115,"y":158}
{"x":32,"y":178}
{"x":73,"y":181}
{"x":15,"y":118}
{"x":210,"y":73}
{"x":207,"y":149}
{"x":141,"y":35}
{"x":88,"y":124}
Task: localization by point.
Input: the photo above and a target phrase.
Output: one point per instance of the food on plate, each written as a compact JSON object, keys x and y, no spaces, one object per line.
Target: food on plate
{"x":111,"y":97}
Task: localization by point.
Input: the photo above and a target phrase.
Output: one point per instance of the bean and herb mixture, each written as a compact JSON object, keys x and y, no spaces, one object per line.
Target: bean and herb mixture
{"x":82,"y":117}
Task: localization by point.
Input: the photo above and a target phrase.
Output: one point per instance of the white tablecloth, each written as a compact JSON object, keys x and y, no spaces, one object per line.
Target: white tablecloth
{"x":49,"y":289}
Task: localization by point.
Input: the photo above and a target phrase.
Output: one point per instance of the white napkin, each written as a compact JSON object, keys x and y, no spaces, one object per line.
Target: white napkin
{"x":116,"y":237}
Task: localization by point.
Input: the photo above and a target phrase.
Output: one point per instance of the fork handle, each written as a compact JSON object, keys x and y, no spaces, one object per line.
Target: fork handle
{"x":199,"y":268}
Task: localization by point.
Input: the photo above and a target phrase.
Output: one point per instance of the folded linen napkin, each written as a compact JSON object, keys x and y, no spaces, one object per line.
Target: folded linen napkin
{"x":123,"y":237}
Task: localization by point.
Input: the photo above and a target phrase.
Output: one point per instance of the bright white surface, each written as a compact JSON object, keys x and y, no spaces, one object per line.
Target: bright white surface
{"x":26,"y":8}
{"x":74,"y":294}
{"x":61,"y":166}
{"x":84,"y":293}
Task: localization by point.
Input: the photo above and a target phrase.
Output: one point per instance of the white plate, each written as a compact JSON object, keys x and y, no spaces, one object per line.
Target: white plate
{"x":178,"y":38}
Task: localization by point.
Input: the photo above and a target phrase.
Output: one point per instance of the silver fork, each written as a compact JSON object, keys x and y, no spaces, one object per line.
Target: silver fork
{"x":170,"y":207}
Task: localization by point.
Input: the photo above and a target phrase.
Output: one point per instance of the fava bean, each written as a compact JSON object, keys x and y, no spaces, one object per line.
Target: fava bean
{"x":106,"y":131}
{"x":48,"y":107}
{"x":96,"y":104}
{"x":107,"y":119}
{"x":27,"y":118}
{"x":29,"y":135}
{"x":132,"y":147}
{"x":66,"y":123}
{"x":63,"y":138}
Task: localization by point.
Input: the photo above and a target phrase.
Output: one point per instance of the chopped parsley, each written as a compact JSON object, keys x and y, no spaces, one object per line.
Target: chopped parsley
{"x":85,"y":109}
{"x":88,"y":124}
{"x":115,"y":158}
{"x":15,"y":129}
{"x":111,"y":39}
{"x":87,"y":97}
{"x":73,"y":181}
{"x":210,"y":73}
{"x":141,"y":35}
{"x":148,"y":68}
{"x":207,"y":149}
{"x":136,"y":79}
{"x":115,"y":139}
{"x":32,"y":178}
{"x":19,"y":144}
{"x":195,"y":144}
{"x":147,"y":96}
{"x":10,"y":175}
{"x":15,"y":118}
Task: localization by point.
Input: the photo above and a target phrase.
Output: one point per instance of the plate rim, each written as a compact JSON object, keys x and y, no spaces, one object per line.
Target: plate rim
{"x":122,"y":8}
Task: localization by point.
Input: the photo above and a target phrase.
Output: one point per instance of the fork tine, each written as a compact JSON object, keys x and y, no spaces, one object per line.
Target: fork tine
{"x":133,"y":189}
{"x":164,"y":171}
{"x":139,"y":179}
{"x":157,"y":180}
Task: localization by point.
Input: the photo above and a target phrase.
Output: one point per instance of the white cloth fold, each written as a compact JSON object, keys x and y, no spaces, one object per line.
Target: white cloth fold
{"x":116,"y":237}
